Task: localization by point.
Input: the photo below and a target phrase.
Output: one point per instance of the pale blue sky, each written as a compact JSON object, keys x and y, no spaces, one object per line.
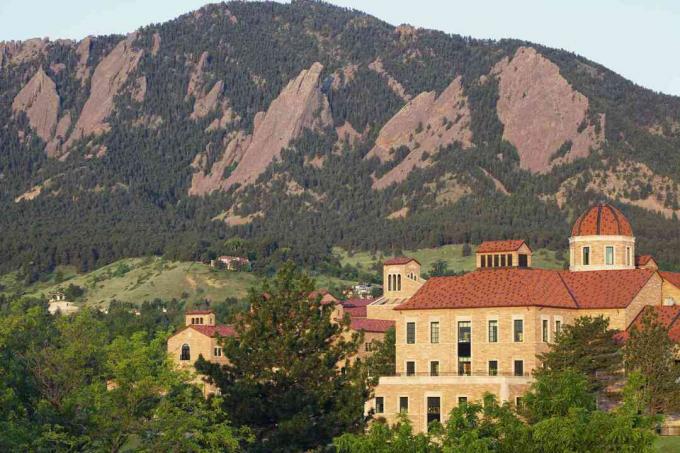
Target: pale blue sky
{"x":639,"y":39}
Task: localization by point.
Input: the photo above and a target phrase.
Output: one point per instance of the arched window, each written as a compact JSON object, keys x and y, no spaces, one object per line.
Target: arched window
{"x":399,"y":282}
{"x":186,"y":353}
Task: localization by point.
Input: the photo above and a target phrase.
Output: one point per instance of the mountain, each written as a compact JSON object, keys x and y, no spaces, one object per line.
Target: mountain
{"x":305,"y":126}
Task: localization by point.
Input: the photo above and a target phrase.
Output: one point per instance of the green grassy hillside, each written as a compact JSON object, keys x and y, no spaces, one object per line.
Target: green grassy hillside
{"x":452,"y":254}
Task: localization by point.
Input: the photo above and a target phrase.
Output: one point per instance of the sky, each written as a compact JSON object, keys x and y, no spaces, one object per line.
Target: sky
{"x":638,"y":39}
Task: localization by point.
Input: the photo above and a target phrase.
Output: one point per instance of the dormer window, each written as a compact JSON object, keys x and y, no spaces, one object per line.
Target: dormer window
{"x":586,"y":256}
{"x":609,"y":255}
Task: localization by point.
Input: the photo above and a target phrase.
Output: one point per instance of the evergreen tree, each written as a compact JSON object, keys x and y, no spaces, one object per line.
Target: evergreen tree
{"x":289,"y":377}
{"x":587,"y":346}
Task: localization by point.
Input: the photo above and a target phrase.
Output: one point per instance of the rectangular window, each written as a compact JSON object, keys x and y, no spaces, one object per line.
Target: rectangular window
{"x":482,"y":261}
{"x":434,"y":332}
{"x":368,"y":346}
{"x":519,"y":367}
{"x":609,"y":255}
{"x":495,"y":261}
{"x":488,"y":261}
{"x":379,"y":405}
{"x":519,"y":401}
{"x":410,"y":368}
{"x":558,"y":327}
{"x":509,"y":259}
{"x":493,"y":367}
{"x":399,"y":282}
{"x":518,"y":325}
{"x":502,"y":260}
{"x":462,"y":400}
{"x":434,"y":368}
{"x":493,"y":331}
{"x":434,"y":409}
{"x":218,"y":351}
{"x":464,"y":331}
{"x":628,"y":260}
{"x":410,"y":333}
{"x":544,"y":330}
{"x":403,"y":404}
{"x":585,"y":251}
{"x":464,"y":366}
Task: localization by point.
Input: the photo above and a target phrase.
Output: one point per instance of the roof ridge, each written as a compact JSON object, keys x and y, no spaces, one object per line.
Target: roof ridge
{"x":566,"y":286}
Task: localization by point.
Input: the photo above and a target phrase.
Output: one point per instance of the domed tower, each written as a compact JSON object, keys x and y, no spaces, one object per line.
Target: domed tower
{"x":601,"y":239}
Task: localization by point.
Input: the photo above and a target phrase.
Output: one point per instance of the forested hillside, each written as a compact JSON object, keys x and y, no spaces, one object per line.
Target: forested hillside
{"x":306,"y":126}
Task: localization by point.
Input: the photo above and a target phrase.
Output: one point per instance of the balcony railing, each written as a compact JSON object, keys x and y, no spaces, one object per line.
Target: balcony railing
{"x":474,"y":373}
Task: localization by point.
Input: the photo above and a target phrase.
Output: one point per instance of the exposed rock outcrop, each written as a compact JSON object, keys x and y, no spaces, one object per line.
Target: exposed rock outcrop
{"x":203,"y":182}
{"x":541,"y":111}
{"x":108,"y":78}
{"x":40,"y":101}
{"x":196,"y":78}
{"x":83,"y":52}
{"x":423,"y":125}
{"x":156,"y":46}
{"x":206,"y":104}
{"x":300,"y":105}
{"x":139,"y":89}
{"x":53,"y":147}
{"x":393,"y":83}
{"x":17,"y":52}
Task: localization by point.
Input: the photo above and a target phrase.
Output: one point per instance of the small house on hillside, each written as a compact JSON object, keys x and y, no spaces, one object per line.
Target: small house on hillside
{"x":232,"y":263}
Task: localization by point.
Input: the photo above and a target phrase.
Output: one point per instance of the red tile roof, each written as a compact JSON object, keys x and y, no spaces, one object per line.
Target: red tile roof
{"x":531,"y":287}
{"x":199,"y":312}
{"x":371,"y":325}
{"x":602,"y":219}
{"x":211,"y":331}
{"x":399,"y":260}
{"x":356,"y":307}
{"x":672,"y":277}
{"x":500,"y":246}
{"x":641,"y":260}
{"x":668,"y":316}
{"x":606,"y":289}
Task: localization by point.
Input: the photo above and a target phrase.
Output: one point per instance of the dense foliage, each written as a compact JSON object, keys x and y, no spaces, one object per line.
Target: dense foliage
{"x":134,"y":199}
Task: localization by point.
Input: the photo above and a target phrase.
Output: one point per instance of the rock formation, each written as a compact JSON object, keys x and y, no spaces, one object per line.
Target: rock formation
{"x":196,"y":78}
{"x":40,"y":101}
{"x":83,"y":52}
{"x":202,"y":182}
{"x":393,"y":83}
{"x":541,"y":111}
{"x":423,"y":125}
{"x":206,"y":104}
{"x":108,"y":78}
{"x":300,"y":105}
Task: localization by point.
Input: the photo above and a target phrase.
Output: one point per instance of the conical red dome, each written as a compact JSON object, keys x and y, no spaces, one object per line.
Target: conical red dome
{"x":602,"y":219}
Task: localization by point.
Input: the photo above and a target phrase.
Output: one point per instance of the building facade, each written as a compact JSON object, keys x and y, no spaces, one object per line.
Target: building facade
{"x":462,"y":336}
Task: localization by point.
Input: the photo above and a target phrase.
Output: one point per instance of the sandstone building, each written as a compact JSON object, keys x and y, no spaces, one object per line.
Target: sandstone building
{"x":461,"y":336}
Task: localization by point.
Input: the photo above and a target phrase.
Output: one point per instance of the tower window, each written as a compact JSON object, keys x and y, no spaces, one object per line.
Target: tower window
{"x":510,"y":259}
{"x":628,"y":260}
{"x":586,"y":256}
{"x":609,"y":255}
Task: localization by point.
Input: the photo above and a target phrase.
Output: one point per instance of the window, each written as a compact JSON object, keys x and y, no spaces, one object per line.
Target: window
{"x":218,"y":351}
{"x":368,"y":346}
{"x":628,"y":260}
{"x":433,"y":409}
{"x":558,"y":326}
{"x":410,"y":333}
{"x":379,"y":405}
{"x":464,"y":331}
{"x":464,"y":366}
{"x":410,"y":368}
{"x":519,"y":402}
{"x":502,"y":260}
{"x":399,"y":282}
{"x":509,"y":259}
{"x":495,"y":261}
{"x":488,"y":261}
{"x":434,"y":368}
{"x":403,"y":404}
{"x":544,"y":330}
{"x":609,"y":255}
{"x":186,"y":352}
{"x":493,"y":331}
{"x":493,"y":367}
{"x":518,"y":325}
{"x":585,"y":254}
{"x":522,"y":260}
{"x":482,"y":261}
{"x":462,"y":400}
{"x":519,"y":367}
{"x":434,"y":332}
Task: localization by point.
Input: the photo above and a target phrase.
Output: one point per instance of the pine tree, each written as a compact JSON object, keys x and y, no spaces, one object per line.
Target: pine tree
{"x":289,"y":377}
